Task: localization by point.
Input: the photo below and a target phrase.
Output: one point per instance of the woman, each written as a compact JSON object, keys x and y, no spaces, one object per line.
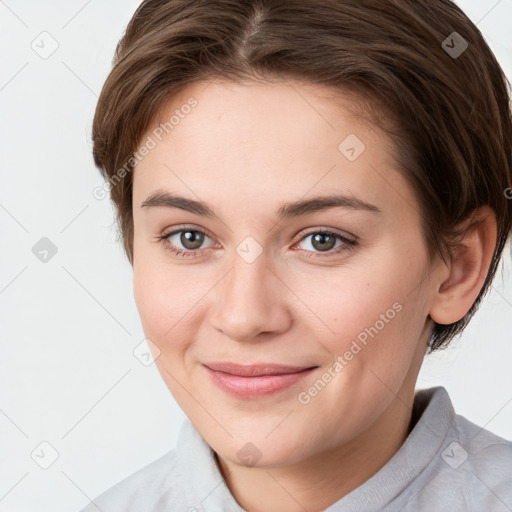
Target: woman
{"x":313,"y":195}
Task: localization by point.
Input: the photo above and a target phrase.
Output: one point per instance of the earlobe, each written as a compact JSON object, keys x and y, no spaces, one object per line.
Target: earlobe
{"x":467,"y":270}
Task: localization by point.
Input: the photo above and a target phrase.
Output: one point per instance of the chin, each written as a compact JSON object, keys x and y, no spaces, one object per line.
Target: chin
{"x":262,"y":454}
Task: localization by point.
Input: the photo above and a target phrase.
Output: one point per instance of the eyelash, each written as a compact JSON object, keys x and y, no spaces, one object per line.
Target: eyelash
{"x":348,"y":243}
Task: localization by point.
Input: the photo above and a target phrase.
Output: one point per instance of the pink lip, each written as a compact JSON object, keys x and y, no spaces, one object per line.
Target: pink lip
{"x":253,"y":381}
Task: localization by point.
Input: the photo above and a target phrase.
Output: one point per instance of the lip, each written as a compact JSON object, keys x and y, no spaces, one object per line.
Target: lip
{"x":255,"y":380}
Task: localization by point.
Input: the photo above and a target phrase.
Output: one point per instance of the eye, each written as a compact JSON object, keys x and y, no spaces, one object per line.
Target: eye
{"x":188,"y":238}
{"x":324,"y":241}
{"x":321,"y":241}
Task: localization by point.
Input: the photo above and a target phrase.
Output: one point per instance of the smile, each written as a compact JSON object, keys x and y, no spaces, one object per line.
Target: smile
{"x":255,"y":381}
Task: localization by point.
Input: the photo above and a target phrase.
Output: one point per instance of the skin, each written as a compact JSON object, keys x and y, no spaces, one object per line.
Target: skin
{"x":245,"y":150}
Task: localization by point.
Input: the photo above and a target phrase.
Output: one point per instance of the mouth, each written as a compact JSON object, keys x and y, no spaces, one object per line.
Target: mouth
{"x":255,"y":380}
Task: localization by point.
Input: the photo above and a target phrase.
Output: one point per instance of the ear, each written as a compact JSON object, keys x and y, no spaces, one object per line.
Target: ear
{"x":467,"y":270}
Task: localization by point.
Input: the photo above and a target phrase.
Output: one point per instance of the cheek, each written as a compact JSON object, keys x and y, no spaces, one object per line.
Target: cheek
{"x":160,"y":299}
{"x":163,"y":314}
{"x":368,"y":319}
{"x":343,"y":303}
{"x":169,"y":301}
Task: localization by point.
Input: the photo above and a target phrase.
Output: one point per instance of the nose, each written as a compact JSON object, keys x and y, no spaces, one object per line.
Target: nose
{"x":251,"y":301}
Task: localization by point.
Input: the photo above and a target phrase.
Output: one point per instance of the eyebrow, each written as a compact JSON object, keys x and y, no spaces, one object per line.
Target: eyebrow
{"x":292,"y":209}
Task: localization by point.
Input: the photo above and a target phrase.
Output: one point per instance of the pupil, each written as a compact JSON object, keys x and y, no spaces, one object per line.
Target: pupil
{"x":321,"y":237}
{"x":191,"y":239}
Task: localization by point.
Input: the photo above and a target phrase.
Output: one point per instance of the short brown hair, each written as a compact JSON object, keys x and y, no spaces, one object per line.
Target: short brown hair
{"x":448,"y":112}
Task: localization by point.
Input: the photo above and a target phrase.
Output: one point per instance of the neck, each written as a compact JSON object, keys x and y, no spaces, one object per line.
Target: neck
{"x":322,"y":480}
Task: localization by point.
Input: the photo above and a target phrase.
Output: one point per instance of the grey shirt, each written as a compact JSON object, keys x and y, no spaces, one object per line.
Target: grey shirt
{"x":447,"y":463}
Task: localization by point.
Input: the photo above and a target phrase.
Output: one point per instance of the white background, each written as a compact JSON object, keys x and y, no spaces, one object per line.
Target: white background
{"x":69,"y":326}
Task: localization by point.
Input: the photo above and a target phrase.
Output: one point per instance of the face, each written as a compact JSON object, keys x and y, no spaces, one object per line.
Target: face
{"x":338,"y":290}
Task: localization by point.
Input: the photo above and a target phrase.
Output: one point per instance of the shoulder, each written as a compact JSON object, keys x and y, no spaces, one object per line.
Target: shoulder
{"x":183,"y":476}
{"x":143,"y":489}
{"x":488,"y":454}
{"x":482,"y":445}
{"x":462,"y":466}
{"x":478,"y":463}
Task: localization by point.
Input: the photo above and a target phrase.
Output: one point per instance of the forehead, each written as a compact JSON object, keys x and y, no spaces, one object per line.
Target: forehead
{"x":263,"y":140}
